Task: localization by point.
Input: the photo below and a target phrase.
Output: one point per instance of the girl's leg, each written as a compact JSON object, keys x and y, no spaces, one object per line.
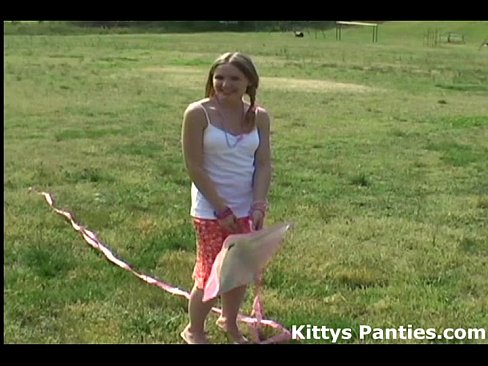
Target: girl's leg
{"x":231,"y":303}
{"x":232,"y":300}
{"x":209,"y":243}
{"x":197,"y":311}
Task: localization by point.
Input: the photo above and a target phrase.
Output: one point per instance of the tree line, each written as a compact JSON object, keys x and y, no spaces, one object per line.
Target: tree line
{"x":210,"y":25}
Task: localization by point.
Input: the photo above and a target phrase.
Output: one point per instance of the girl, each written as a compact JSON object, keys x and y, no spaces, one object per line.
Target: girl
{"x":226,"y":150}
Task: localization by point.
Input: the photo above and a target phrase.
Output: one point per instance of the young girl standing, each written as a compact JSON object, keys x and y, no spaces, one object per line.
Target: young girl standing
{"x":226,"y":150}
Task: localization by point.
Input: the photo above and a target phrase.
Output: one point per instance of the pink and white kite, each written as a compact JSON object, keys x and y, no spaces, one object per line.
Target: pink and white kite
{"x":242,"y":259}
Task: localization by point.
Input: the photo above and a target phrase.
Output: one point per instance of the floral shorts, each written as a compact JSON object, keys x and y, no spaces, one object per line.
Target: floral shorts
{"x":210,"y":238}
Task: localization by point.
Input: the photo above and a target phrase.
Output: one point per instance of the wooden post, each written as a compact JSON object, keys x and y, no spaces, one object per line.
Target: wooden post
{"x":338,"y":31}
{"x":373,"y":25}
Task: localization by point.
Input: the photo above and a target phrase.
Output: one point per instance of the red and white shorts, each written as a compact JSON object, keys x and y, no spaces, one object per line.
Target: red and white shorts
{"x":210,"y":238}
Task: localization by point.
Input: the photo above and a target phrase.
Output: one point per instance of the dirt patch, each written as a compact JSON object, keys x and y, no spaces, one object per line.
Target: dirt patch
{"x":176,"y":70}
{"x":310,"y":85}
{"x":187,"y":76}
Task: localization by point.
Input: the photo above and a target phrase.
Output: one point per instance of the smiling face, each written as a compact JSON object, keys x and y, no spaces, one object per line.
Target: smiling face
{"x":232,"y":75}
{"x":229,"y":83}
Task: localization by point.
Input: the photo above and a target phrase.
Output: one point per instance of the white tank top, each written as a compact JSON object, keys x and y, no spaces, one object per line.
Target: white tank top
{"x":229,"y":164}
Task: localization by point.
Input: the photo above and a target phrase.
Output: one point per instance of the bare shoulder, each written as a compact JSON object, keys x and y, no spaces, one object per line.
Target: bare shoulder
{"x":195,"y":114}
{"x":262,"y":118}
{"x":196,"y":106}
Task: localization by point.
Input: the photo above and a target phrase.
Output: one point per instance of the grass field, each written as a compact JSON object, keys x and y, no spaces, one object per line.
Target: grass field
{"x":379,"y":159}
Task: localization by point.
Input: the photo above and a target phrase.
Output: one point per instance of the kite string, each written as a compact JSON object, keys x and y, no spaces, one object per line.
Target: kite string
{"x":256,"y":319}
{"x":257,"y":309}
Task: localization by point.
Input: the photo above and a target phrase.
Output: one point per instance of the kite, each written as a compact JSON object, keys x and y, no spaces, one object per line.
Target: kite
{"x":242,"y":259}
{"x":266,"y":242}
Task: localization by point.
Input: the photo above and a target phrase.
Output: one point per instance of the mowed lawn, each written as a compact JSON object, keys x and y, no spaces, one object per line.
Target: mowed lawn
{"x":380,"y":155}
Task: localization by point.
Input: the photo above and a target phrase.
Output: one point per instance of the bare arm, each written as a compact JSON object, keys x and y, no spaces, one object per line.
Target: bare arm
{"x":194,"y":124}
{"x":262,"y":174}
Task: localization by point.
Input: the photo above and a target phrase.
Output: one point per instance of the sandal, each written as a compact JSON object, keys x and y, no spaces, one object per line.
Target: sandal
{"x":190,"y":339}
{"x":235,"y":340}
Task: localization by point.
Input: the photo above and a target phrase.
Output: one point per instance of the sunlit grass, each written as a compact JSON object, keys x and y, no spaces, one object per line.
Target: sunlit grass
{"x":379,"y":160}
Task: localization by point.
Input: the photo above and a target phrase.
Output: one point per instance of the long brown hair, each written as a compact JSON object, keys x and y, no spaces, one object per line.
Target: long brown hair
{"x":246,"y":66}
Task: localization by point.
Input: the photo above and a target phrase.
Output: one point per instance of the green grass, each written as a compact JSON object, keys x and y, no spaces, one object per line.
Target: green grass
{"x":379,"y":159}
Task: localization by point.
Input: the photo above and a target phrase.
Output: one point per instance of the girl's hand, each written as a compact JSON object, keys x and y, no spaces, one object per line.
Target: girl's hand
{"x":229,"y":224}
{"x":227,"y":220}
{"x":257,"y":218}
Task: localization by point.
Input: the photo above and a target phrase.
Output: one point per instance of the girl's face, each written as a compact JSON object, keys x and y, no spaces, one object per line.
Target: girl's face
{"x":229,"y":82}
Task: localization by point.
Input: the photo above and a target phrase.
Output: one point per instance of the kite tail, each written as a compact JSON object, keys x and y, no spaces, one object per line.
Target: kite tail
{"x":258,"y":310}
{"x":90,"y":238}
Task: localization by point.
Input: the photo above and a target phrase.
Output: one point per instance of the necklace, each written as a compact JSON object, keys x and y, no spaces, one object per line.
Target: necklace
{"x":237,"y":138}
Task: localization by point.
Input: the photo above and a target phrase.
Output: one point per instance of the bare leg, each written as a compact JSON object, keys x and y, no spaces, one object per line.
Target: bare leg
{"x":197,"y":311}
{"x":231,"y":302}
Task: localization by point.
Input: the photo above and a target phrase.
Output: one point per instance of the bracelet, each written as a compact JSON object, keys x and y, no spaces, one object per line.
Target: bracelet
{"x":223,"y":214}
{"x":259,"y":206}
{"x":263,"y":205}
{"x":251,"y":211}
